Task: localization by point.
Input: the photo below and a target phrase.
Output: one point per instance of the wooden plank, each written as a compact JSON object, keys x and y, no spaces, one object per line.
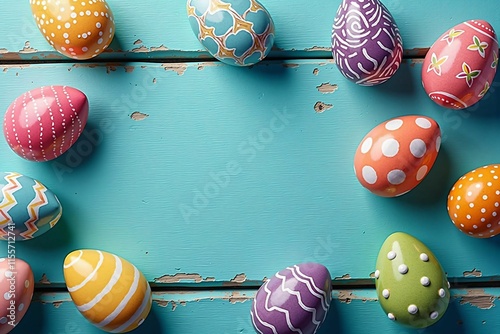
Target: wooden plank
{"x":303,"y":28}
{"x":470,"y":311}
{"x":286,"y":191}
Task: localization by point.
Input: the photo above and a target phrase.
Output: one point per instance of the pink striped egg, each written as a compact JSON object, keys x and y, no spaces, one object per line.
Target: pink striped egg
{"x":16,"y":291}
{"x":45,"y":122}
{"x":110,"y":292}
{"x":295,"y":300}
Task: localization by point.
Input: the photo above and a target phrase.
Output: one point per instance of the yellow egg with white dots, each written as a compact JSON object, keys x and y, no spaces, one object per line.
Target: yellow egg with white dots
{"x":79,"y":29}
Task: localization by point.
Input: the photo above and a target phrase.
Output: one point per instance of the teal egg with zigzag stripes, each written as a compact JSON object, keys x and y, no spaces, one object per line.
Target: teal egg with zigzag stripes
{"x":236,"y":32}
{"x":28,"y":209}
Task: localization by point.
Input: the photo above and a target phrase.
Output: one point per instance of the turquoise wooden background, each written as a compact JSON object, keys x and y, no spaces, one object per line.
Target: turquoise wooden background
{"x":167,"y":123}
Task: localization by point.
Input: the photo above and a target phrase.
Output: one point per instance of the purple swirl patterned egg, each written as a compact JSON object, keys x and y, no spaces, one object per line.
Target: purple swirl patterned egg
{"x":366,"y":43}
{"x":295,"y":300}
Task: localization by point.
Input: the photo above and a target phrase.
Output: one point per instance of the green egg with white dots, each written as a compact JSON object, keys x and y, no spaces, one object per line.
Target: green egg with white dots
{"x":411,"y":285}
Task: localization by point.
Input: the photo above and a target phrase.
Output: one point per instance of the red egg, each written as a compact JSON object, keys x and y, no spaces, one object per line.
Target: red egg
{"x":474,"y":202}
{"x":395,"y":156}
{"x":45,"y":122}
{"x":460,"y":66}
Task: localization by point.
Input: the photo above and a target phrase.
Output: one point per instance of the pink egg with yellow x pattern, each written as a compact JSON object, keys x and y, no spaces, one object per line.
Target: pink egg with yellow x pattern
{"x":460,"y":66}
{"x":45,"y":122}
{"x":395,"y":156}
{"x":16,"y":291}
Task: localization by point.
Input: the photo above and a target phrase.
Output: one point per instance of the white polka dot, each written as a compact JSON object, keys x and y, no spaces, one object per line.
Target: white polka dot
{"x":8,"y":273}
{"x":391,"y":255}
{"x":390,"y":147}
{"x":483,"y":210}
{"x":2,"y":259}
{"x":394,"y":124}
{"x":377,"y":273}
{"x":438,"y":143}
{"x":367,"y":145}
{"x":422,"y":171}
{"x":369,"y":175}
{"x":386,"y":293}
{"x":396,"y":177}
{"x":403,"y":269}
{"x":434,"y":315}
{"x":21,"y":307}
{"x":26,"y":284}
{"x":442,"y":293}
{"x":412,"y":309}
{"x":418,"y":148}
{"x":67,"y":25}
{"x":425,"y":281}
{"x":3,"y":320}
{"x":6,"y":296}
{"x":424,"y":257}
{"x":423,"y":123}
{"x":391,"y":316}
{"x":471,"y":205}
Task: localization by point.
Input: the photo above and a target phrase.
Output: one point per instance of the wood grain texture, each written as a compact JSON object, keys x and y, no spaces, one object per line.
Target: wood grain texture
{"x":303,"y":28}
{"x":234,"y":172}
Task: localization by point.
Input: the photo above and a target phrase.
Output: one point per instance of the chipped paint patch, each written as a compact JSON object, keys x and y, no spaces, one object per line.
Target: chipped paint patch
{"x":239,"y":279}
{"x":327,"y":88}
{"x":473,"y":273}
{"x":347,"y":296}
{"x":138,"y":42}
{"x":27,"y":48}
{"x":345,"y":276}
{"x":208,"y":64}
{"x":129,"y":69}
{"x":178,"y":68}
{"x":44,"y":279}
{"x":316,"y":71}
{"x":318,"y":48}
{"x":140,"y":49}
{"x":321,"y":107}
{"x":238,"y":297}
{"x":57,"y":304}
{"x":180,"y":277}
{"x":372,"y":274}
{"x":158,"y":48}
{"x":290,"y":65}
{"x":478,"y":298}
{"x":2,"y":50}
{"x":138,"y":116}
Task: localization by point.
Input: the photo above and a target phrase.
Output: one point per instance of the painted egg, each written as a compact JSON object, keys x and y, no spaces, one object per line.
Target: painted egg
{"x":16,"y":291}
{"x":45,"y":122}
{"x":28,"y":209}
{"x":411,"y":285}
{"x":109,"y":291}
{"x":474,"y":202}
{"x":294,"y":300}
{"x":395,"y":156}
{"x":77,"y":29}
{"x":366,"y":43}
{"x":460,"y":66}
{"x":236,"y":32}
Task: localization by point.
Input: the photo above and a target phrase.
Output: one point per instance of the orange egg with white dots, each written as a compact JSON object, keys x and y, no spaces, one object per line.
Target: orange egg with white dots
{"x":474,"y":202}
{"x":79,"y":29}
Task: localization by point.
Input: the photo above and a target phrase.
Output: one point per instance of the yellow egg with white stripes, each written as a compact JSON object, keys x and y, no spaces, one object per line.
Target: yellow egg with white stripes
{"x":109,"y":291}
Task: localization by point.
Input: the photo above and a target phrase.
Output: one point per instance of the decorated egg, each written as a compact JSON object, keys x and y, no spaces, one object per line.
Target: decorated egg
{"x":109,"y":291}
{"x":28,"y":209}
{"x":236,"y":32}
{"x":77,"y":29}
{"x":16,"y":291}
{"x":294,"y":300}
{"x":395,"y":156}
{"x":460,"y":66}
{"x":411,"y":285}
{"x":366,"y":43}
{"x":474,"y":202}
{"x":45,"y":122}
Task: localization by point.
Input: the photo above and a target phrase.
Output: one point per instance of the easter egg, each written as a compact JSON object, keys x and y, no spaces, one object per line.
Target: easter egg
{"x":236,"y":32}
{"x":460,"y":66}
{"x":395,"y":156}
{"x":77,"y":29}
{"x":411,"y":284}
{"x":474,"y":202}
{"x":109,"y":291}
{"x":366,"y":43}
{"x":43,"y":123}
{"x":16,"y":291}
{"x":294,"y":300}
{"x":28,"y":209}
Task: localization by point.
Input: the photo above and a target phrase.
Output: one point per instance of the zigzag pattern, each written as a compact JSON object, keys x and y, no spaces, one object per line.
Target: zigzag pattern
{"x":9,"y":201}
{"x":33,"y":210}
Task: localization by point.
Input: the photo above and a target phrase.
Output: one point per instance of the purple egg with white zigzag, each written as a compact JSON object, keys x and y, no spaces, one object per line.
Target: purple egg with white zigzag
{"x":294,"y":300}
{"x":366,"y":43}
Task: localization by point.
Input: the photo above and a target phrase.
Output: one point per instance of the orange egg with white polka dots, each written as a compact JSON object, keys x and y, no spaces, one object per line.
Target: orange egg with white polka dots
{"x":79,"y":29}
{"x":474,"y":202}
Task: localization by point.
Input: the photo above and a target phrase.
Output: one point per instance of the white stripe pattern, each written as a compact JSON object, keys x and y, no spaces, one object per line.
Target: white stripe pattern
{"x":90,"y":276}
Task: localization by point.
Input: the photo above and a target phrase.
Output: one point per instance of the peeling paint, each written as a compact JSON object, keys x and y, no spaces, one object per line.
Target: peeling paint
{"x":345,"y":276}
{"x":57,"y":304}
{"x":2,"y":50}
{"x":318,"y":48}
{"x":327,"y":88}
{"x":178,"y":68}
{"x":182,"y":277}
{"x":137,"y":42}
{"x":44,"y":279}
{"x":207,"y":64}
{"x":159,"y":48}
{"x":316,"y":71}
{"x":372,"y":274}
{"x":239,"y":279}
{"x":473,"y":273}
{"x":321,"y":107}
{"x":138,"y":116}
{"x":347,"y":296}
{"x":290,"y":65}
{"x":237,"y":297}
{"x":140,"y":49}
{"x":27,"y":48}
{"x":478,"y":298}
{"x":129,"y":69}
